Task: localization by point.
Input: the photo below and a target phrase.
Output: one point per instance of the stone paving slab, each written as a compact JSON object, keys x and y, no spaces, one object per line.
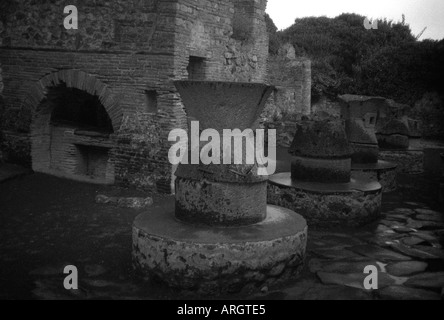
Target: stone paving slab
{"x":378,"y":253}
{"x":406,"y":268}
{"x":405,"y":293}
{"x":427,"y":280}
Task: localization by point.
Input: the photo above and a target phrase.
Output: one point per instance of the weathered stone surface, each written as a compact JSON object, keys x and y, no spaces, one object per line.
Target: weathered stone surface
{"x":405,"y":293}
{"x":395,"y":127}
{"x":102,"y":199}
{"x":223,"y":105}
{"x":47,"y":271}
{"x":402,"y":229}
{"x":320,"y":170}
{"x":430,"y":237}
{"x":339,"y":240}
{"x":333,"y":292}
{"x":430,"y":217}
{"x":335,"y":253}
{"x":406,"y":268}
{"x":125,"y":202}
{"x":94,"y":270}
{"x":364,"y":153}
{"x":216,"y":203}
{"x":428,"y":212}
{"x":410,"y":241}
{"x":382,"y":171}
{"x":344,"y":266}
{"x":389,"y":223}
{"x":354,"y":280}
{"x":426,"y":280}
{"x":321,"y":139}
{"x":407,"y":161}
{"x":360,"y":113}
{"x":420,"y":252}
{"x":420,"y":224}
{"x":395,"y":141}
{"x":219,"y":259}
{"x":326,"y":206}
{"x":404,"y":211}
{"x":378,"y":253}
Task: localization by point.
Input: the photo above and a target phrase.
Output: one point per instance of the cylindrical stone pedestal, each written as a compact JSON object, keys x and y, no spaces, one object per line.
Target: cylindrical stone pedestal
{"x":327,"y":205}
{"x":215,"y":260}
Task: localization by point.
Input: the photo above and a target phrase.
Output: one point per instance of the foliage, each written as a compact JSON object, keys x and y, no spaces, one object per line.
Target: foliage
{"x":347,"y":58}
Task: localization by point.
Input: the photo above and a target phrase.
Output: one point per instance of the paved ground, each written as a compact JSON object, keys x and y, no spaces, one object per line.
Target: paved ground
{"x":11,"y":171}
{"x":47,"y":223}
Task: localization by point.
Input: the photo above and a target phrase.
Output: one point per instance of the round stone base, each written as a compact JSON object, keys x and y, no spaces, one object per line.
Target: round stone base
{"x":408,"y":161}
{"x":384,"y":172}
{"x":219,"y":260}
{"x":327,"y":205}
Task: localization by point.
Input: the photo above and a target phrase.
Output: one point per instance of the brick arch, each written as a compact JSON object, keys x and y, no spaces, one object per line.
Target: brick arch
{"x":43,"y":137}
{"x":80,"y":80}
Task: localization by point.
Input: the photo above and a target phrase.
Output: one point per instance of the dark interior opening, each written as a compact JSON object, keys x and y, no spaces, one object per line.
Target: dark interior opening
{"x":196,"y":68}
{"x":151,"y":101}
{"x":93,"y":161}
{"x":78,"y":108}
{"x":242,"y":20}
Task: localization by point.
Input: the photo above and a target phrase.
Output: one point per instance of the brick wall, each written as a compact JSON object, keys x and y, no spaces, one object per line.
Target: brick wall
{"x":127,"y":52}
{"x":291,"y":99}
{"x":130,"y":25}
{"x":205,"y":29}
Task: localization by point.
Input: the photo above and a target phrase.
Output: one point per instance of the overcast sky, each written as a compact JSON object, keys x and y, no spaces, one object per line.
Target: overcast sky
{"x":419,"y":13}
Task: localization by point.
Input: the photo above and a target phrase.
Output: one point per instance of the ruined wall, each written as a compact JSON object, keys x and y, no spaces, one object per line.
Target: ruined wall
{"x":131,"y":25}
{"x":126,"y":45}
{"x":206,"y":29}
{"x":133,"y":48}
{"x":291,"y":99}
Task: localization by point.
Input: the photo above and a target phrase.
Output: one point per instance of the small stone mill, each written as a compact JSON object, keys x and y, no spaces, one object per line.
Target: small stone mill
{"x":360,"y":114}
{"x":320,"y":186}
{"x":217,"y":234}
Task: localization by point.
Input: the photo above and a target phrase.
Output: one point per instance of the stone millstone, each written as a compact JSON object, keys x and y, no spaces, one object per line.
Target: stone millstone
{"x":243,"y":170}
{"x":394,"y":141}
{"x":360,"y":115}
{"x":396,"y":126}
{"x":327,"y":205}
{"x":320,"y":152}
{"x":223,"y":105}
{"x":323,"y":139}
{"x":218,"y":260}
{"x":382,"y":171}
{"x":220,"y":204}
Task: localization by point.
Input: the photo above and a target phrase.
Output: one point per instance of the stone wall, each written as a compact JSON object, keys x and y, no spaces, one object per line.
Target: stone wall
{"x":430,"y":110}
{"x":205,"y":30}
{"x":127,"y":52}
{"x":127,"y":77}
{"x":291,"y":98}
{"x":130,"y":25}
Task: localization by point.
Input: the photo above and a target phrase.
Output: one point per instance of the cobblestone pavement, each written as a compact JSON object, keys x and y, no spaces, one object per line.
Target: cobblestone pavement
{"x":47,"y":223}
